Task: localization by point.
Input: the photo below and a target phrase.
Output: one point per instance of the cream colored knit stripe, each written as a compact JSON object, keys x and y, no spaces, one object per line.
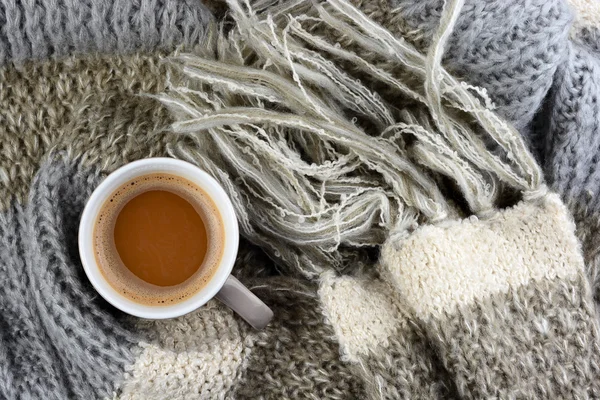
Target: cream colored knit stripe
{"x":504,"y":301}
{"x":384,"y":346}
{"x":212,"y":354}
{"x":441,"y":268}
{"x":197,"y":356}
{"x":363,"y":312}
{"x":587,"y":14}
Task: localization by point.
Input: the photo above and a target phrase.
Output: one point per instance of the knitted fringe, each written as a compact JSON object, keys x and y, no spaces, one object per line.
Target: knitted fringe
{"x":327,"y":150}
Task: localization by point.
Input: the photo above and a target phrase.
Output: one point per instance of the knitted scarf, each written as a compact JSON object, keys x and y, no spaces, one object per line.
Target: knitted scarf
{"x":399,"y":228}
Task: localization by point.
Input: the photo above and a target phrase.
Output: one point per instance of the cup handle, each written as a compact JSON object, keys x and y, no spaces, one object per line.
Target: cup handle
{"x":241,"y":300}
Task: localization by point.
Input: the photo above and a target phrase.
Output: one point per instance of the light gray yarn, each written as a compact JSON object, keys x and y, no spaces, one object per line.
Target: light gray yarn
{"x":41,"y":29}
{"x":572,"y":159}
{"x":58,"y":338}
{"x":511,"y":48}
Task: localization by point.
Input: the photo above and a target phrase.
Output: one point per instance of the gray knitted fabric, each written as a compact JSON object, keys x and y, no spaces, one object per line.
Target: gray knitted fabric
{"x":572,"y":156}
{"x":41,"y":29}
{"x":511,"y":48}
{"x":58,"y":340}
{"x":351,"y":167}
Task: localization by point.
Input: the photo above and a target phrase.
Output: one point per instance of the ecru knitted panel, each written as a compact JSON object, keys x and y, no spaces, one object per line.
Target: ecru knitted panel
{"x":381,"y":340}
{"x":512,"y":321}
{"x":349,"y":305}
{"x":587,"y":14}
{"x":197,"y":356}
{"x":440,"y":268}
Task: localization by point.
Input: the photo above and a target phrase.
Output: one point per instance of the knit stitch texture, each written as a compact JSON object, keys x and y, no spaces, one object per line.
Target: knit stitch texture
{"x":58,"y":338}
{"x":52,"y":319}
{"x":539,"y":63}
{"x":401,"y":230}
{"x":42,"y":29}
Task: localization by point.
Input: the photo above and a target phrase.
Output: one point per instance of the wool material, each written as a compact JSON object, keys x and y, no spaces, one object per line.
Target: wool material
{"x":571,"y":159}
{"x":99,"y":118}
{"x":52,"y":320}
{"x":41,"y":29}
{"x":506,"y":259}
{"x":58,"y":338}
{"x":353,"y":156}
{"x":539,"y":64}
{"x":271,"y":139}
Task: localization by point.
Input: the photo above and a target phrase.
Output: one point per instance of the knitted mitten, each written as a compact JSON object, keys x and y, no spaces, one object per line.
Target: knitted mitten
{"x":40,"y":29}
{"x":504,"y":301}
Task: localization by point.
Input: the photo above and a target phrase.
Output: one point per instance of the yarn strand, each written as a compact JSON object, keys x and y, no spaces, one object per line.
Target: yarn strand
{"x":318,"y":161}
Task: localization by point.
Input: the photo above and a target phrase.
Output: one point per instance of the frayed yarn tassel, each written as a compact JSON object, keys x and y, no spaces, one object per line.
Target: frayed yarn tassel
{"x":326,"y":150}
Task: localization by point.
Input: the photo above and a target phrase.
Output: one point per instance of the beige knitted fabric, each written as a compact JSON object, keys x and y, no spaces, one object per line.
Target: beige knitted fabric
{"x":95,"y":114}
{"x":587,"y":15}
{"x":378,"y":336}
{"x":95,"y":108}
{"x":493,"y":306}
{"x":197,"y":356}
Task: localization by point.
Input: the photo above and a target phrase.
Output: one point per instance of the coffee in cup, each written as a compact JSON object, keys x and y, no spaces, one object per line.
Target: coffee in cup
{"x":158,"y":238}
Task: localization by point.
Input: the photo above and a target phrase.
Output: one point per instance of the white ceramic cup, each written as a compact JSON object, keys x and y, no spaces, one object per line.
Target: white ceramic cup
{"x":222,"y":285}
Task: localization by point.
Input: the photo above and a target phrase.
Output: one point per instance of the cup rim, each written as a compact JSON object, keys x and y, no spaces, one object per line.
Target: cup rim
{"x":142,"y":167}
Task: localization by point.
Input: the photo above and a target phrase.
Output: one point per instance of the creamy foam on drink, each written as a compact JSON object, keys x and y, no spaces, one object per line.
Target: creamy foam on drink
{"x":158,"y":239}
